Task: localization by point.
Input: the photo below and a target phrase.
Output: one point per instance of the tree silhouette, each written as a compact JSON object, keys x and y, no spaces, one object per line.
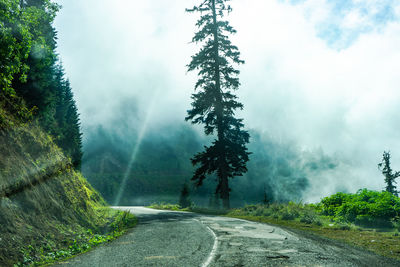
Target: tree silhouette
{"x":390,"y":177}
{"x":184,"y":200}
{"x":214,"y":103}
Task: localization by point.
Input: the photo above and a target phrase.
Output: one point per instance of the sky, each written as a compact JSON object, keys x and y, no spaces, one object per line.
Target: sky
{"x":321,"y":74}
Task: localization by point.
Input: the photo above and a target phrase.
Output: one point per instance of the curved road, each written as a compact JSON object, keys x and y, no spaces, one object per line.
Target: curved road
{"x":166,"y":238}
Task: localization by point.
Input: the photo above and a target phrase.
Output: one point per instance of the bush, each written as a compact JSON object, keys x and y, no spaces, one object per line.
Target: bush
{"x":332,"y":203}
{"x":309,"y":216}
{"x":366,"y":208}
{"x":290,"y":211}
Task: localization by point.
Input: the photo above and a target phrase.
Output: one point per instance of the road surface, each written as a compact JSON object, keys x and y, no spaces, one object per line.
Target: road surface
{"x":166,"y":238}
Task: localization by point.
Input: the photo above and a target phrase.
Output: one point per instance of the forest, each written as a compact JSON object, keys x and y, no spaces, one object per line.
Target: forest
{"x":48,"y":211}
{"x":163,"y":166}
{"x":35,"y":87}
{"x":213,"y":160}
{"x":33,"y":81}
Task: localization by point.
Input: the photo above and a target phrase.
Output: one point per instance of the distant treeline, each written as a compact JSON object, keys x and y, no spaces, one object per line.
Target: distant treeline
{"x":280,"y":172}
{"x":32,"y":81}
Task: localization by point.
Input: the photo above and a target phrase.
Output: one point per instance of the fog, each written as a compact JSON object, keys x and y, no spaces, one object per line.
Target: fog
{"x":320,"y":80}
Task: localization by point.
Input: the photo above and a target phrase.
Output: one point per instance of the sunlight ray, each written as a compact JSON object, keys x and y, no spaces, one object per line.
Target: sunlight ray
{"x":136,"y":149}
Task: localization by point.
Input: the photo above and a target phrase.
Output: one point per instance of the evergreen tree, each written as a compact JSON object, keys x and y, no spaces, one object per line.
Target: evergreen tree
{"x":31,"y":75}
{"x":184,"y":200}
{"x":72,"y":142}
{"x":214,"y":103}
{"x":266,"y":198}
{"x":390,"y":177}
{"x":39,"y":89}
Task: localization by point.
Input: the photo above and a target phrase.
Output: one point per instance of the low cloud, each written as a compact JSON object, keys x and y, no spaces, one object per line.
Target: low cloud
{"x":322,"y":75}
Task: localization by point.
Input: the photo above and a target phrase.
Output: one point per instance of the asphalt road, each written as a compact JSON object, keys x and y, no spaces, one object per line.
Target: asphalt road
{"x":165,"y":238}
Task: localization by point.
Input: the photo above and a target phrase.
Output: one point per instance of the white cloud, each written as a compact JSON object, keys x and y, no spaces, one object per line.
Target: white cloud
{"x":295,"y":84}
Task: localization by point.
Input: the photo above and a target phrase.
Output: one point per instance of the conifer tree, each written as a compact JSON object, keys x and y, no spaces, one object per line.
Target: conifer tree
{"x":214,"y":103}
{"x":43,"y":85}
{"x":266,"y":198}
{"x":184,"y":200}
{"x":73,"y":136}
{"x":67,"y":131}
{"x":38,"y":89}
{"x":390,"y":177}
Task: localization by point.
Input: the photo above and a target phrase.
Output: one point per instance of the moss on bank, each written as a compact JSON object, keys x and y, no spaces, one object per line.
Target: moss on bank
{"x":47,"y":209}
{"x":111,"y":224}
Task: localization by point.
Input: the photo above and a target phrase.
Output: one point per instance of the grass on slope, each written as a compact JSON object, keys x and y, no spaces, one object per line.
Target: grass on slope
{"x":48,"y":211}
{"x":71,"y":242}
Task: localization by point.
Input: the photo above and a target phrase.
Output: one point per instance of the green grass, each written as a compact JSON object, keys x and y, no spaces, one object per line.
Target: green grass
{"x":165,"y":206}
{"x":113,"y":223}
{"x":176,"y":207}
{"x":48,"y":211}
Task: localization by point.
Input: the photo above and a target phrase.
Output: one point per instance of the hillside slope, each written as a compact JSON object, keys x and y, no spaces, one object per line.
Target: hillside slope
{"x":44,"y":204}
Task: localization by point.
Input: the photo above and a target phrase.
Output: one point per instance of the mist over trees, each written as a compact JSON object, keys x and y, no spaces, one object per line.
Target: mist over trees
{"x":214,"y":103}
{"x":163,"y":163}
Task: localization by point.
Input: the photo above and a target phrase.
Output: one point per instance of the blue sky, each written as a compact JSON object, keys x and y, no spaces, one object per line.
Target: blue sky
{"x":335,"y":27}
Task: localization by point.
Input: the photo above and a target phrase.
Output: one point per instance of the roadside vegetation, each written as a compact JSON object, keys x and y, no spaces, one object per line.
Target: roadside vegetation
{"x":367,"y":219}
{"x":167,"y":206}
{"x":48,"y":211}
{"x":111,"y":224}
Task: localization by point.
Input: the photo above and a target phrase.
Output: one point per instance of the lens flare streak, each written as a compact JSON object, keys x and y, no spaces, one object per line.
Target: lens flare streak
{"x":135,"y":150}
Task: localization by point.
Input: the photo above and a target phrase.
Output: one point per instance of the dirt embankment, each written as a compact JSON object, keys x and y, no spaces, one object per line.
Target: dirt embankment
{"x":43,"y":201}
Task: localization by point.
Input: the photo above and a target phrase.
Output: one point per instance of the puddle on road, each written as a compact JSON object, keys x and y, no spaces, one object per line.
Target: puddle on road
{"x":258,"y":249}
{"x":283,"y":251}
{"x":249,"y":228}
{"x":241,"y":228}
{"x":160,"y":257}
{"x":287,"y":251}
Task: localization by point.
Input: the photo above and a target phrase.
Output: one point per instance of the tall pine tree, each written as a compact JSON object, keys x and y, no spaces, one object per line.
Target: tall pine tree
{"x":390,"y":177}
{"x":214,"y":103}
{"x":72,"y":143}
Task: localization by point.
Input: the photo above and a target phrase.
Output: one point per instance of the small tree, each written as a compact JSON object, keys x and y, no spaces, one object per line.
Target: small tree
{"x":184,"y":200}
{"x":390,"y":177}
{"x":266,"y":199}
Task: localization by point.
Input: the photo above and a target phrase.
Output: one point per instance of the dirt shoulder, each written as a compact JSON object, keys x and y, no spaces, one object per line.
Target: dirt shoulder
{"x":385,"y":245}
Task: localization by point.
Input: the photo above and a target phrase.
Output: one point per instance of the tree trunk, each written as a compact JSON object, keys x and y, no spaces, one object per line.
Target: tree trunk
{"x":223,"y":177}
{"x":225,"y":193}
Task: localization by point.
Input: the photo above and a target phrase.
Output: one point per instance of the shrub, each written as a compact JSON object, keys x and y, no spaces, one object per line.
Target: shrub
{"x":332,"y":203}
{"x":288,"y":214}
{"x":309,"y":216}
{"x":366,"y":207}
